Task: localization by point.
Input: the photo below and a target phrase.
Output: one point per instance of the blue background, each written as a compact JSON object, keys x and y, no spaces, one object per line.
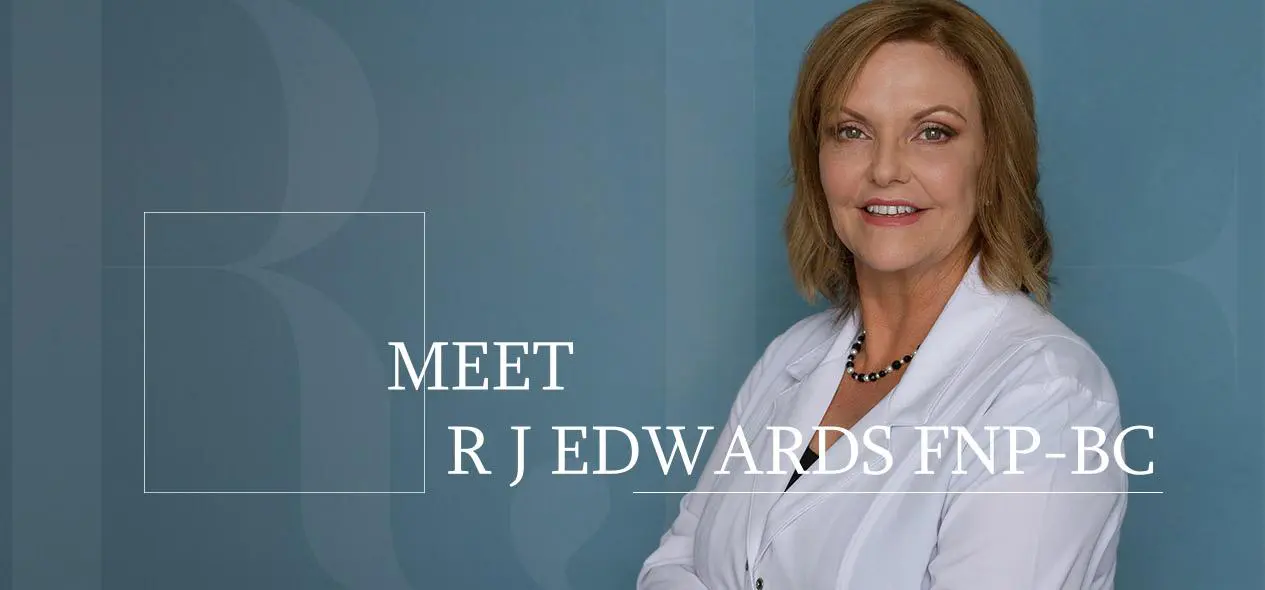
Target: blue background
{"x":605,"y":173}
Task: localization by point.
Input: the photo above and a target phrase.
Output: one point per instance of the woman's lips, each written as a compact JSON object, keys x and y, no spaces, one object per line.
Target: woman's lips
{"x":890,"y":220}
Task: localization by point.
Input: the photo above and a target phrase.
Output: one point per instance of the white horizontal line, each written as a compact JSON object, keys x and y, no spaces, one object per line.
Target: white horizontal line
{"x":989,"y":492}
{"x":165,"y":266}
{"x":285,"y":212}
{"x":264,"y":492}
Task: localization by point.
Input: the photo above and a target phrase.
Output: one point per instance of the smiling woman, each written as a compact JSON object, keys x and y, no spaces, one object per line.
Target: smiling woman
{"x":888,"y":161}
{"x":915,"y":213}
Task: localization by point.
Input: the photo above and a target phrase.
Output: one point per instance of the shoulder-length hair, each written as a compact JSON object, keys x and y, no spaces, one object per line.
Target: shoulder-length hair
{"x":1012,"y":240}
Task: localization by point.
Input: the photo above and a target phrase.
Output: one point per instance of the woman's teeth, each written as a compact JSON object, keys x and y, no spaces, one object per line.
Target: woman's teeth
{"x":889,"y":210}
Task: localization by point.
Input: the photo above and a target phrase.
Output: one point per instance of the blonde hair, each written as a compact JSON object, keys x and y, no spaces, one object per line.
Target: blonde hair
{"x":1012,"y":240}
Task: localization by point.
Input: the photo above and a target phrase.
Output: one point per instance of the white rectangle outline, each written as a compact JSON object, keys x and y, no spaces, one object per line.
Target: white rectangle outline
{"x":145,"y":355}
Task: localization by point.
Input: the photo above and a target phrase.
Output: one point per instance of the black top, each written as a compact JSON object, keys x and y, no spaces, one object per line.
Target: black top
{"x":805,"y":461}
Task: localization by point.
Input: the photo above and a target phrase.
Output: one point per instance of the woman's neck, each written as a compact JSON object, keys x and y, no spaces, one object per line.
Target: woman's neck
{"x":898,"y":309}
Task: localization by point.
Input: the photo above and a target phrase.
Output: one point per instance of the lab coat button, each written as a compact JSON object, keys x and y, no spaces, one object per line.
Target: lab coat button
{"x":759,"y":584}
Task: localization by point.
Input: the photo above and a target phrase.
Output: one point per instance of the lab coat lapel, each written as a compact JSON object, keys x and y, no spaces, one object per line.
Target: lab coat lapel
{"x":963,"y":325}
{"x":799,"y":406}
{"x":966,"y":321}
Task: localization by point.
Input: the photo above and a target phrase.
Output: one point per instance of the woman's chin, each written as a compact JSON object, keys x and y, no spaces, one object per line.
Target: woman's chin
{"x":891,"y":260}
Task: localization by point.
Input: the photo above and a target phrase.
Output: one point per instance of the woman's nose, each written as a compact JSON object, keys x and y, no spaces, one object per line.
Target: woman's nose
{"x":888,"y":164}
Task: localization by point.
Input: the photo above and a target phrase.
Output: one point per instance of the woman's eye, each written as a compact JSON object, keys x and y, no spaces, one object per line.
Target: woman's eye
{"x":850,"y":132}
{"x":936,"y":134}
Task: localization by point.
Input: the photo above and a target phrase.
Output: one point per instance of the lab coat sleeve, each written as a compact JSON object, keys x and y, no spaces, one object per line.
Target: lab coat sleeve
{"x":1026,"y":531}
{"x":671,"y":565}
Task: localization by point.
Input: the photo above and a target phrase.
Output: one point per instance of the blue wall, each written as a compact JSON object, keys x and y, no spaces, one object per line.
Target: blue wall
{"x":607,"y":173}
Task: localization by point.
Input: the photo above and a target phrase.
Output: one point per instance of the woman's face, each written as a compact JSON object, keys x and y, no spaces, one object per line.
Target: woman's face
{"x":899,"y":161}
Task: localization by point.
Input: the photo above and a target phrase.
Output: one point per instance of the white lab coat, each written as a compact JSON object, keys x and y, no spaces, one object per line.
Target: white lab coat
{"x":991,"y":359}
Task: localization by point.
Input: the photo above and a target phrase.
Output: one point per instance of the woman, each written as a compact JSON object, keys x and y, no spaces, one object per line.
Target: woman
{"x":915,"y":212}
